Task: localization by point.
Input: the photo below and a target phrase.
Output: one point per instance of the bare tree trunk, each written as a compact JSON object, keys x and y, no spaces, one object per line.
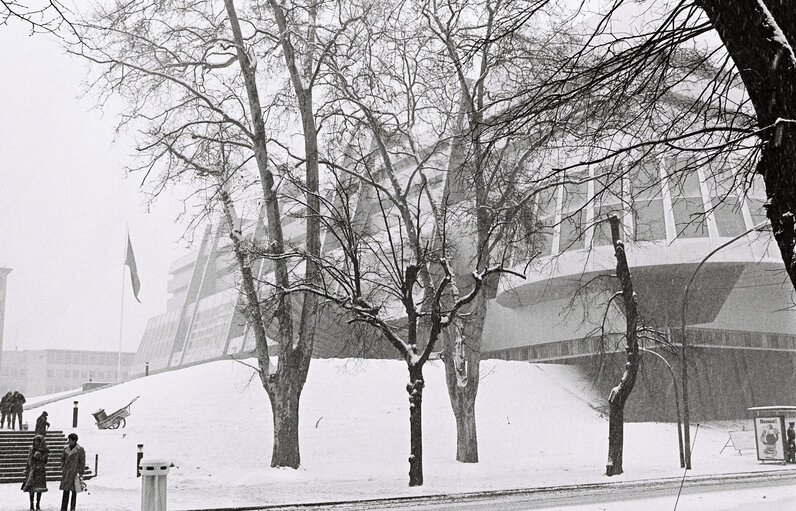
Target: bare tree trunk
{"x":283,"y":386}
{"x":285,"y":406}
{"x":616,"y":437}
{"x":620,"y":393}
{"x":462,"y":359}
{"x":463,"y":404}
{"x":415,"y":390}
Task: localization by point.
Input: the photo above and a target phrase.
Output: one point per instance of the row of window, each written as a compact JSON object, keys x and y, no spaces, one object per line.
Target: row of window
{"x":696,"y":337}
{"x":54,"y":389}
{"x":67,"y":374}
{"x":573,"y":216}
{"x":85,"y":375}
{"x":86,"y":357}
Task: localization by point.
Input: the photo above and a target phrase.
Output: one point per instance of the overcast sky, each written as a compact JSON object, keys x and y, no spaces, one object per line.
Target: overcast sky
{"x":64,"y":203}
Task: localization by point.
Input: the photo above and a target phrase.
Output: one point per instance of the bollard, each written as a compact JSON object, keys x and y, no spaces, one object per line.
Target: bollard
{"x":74,"y":416}
{"x":153,"y":484}
{"x":146,"y":370}
{"x":139,"y":456}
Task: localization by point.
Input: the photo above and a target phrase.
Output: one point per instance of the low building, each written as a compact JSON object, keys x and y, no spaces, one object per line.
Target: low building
{"x":39,"y":372}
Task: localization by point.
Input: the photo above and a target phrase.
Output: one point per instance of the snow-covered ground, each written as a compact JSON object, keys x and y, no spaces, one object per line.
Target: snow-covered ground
{"x":537,"y":425}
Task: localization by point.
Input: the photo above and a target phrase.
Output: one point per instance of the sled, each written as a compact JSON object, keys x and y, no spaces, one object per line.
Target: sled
{"x":114,"y":420}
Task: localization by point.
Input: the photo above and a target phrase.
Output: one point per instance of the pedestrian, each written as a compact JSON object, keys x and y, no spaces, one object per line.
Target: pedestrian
{"x":791,"y":443}
{"x":5,"y":409}
{"x":36,"y":470}
{"x":16,"y":408}
{"x":42,"y":424}
{"x":73,"y":464}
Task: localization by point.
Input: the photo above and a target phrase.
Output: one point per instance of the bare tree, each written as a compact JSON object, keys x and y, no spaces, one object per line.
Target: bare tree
{"x":193,"y":72}
{"x":391,"y":278}
{"x":621,"y":392}
{"x":489,"y":51}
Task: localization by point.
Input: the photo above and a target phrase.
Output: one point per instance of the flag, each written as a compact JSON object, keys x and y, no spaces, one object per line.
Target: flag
{"x":129,"y":260}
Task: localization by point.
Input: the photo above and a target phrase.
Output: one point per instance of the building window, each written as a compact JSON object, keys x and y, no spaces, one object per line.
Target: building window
{"x":687,"y":205}
{"x":608,"y":197}
{"x":725,"y":204}
{"x":573,"y":213}
{"x":729,"y":220}
{"x":756,"y":198}
{"x":648,"y":219}
{"x":546,"y":213}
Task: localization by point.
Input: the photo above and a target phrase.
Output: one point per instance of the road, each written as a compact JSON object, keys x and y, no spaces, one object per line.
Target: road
{"x":721,"y":497}
{"x":753,"y":491}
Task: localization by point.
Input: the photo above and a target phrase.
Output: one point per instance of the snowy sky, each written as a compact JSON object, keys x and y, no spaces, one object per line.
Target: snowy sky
{"x":64,"y":203}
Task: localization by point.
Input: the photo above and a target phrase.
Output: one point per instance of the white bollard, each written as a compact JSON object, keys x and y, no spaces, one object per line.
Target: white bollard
{"x":153,"y":484}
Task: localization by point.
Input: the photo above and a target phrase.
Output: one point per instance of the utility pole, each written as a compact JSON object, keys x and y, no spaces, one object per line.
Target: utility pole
{"x":3,"y":280}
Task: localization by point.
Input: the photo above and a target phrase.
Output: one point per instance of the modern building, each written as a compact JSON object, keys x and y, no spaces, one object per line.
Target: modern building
{"x":741,"y":328}
{"x":38,"y":372}
{"x":203,"y":319}
{"x":741,"y":324}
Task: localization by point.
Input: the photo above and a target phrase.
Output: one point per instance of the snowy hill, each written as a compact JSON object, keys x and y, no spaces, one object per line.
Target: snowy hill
{"x":538,"y":425}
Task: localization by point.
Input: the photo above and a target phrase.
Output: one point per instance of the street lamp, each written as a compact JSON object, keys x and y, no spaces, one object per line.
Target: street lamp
{"x":676,"y":402}
{"x":759,"y":227}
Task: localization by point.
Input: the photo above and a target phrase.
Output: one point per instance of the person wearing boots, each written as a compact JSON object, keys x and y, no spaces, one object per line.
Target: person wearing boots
{"x":73,"y":464}
{"x":5,"y":409}
{"x":791,"y":436}
{"x":42,"y":424}
{"x":36,"y":470}
{"x":16,"y":408}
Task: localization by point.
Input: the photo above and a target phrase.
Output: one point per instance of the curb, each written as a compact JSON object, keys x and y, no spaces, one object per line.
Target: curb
{"x":544,"y":493}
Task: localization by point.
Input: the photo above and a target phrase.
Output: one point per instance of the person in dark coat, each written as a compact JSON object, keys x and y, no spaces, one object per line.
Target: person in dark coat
{"x":73,"y":464}
{"x":16,"y":408}
{"x":791,"y":434}
{"x":42,"y":424}
{"x":5,"y":409}
{"x":36,"y":470}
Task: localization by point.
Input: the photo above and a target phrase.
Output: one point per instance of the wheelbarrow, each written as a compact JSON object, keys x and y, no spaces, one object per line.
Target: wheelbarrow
{"x":114,"y":420}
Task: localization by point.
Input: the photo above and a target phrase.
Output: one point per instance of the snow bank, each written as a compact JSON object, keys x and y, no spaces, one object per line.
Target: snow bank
{"x":538,"y":425}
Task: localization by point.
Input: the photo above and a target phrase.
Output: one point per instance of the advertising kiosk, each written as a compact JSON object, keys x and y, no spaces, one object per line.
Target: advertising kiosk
{"x":771,"y":423}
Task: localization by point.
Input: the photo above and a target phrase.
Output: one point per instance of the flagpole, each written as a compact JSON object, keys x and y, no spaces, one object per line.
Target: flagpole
{"x":121,"y":309}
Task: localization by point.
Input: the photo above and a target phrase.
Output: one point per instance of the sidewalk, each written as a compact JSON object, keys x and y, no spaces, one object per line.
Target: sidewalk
{"x":295,"y":491}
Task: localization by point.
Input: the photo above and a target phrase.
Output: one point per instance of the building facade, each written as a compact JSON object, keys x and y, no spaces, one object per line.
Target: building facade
{"x":39,"y":372}
{"x":740,"y":323}
{"x":740,"y":320}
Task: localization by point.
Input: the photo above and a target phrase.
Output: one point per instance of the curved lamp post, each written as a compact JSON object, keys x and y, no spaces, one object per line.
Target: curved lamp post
{"x":676,"y":402}
{"x":686,"y":431}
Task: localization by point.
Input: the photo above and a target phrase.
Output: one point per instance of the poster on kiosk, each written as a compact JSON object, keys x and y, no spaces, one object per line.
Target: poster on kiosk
{"x":770,"y":434}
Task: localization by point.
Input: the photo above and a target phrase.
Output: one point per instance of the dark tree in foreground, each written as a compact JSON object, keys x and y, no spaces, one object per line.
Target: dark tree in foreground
{"x":620,"y":393}
{"x":759,"y":36}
